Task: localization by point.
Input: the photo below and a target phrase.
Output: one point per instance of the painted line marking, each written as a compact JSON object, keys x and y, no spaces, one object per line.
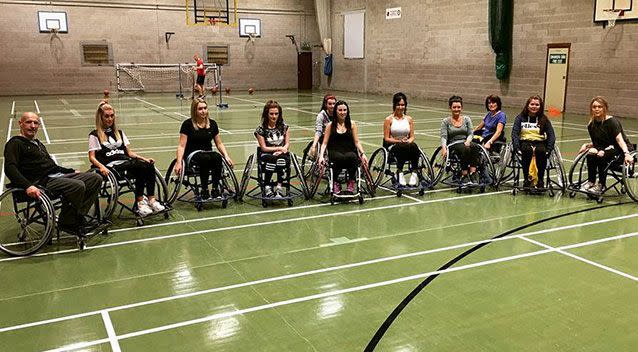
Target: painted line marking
{"x":75,"y":113}
{"x":590,"y":262}
{"x":315,"y":296}
{"x":149,"y":103}
{"x":336,"y":241}
{"x":115,"y":346}
{"x":13,"y":108}
{"x":406,"y":195}
{"x":44,"y":130}
{"x":37,"y":107}
{"x":5,"y":142}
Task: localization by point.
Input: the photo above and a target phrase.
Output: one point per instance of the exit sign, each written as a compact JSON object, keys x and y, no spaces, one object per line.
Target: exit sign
{"x":392,"y":13}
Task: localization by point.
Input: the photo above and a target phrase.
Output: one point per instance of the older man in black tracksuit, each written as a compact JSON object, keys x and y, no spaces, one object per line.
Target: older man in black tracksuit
{"x":28,"y":165}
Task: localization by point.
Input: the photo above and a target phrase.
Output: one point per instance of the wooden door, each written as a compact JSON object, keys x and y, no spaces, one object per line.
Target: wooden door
{"x":304,"y":70}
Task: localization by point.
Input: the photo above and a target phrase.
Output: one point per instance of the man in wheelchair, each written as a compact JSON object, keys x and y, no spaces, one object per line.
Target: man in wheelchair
{"x":28,"y":165}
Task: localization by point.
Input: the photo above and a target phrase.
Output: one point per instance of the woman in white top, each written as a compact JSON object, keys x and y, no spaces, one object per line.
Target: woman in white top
{"x":398,"y":139}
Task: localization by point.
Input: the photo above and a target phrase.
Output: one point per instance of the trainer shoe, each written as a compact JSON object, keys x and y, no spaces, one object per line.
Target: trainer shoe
{"x":279,"y":192}
{"x":214,"y":193}
{"x":156,"y":206}
{"x":596,"y":189}
{"x":401,"y":179}
{"x":143,"y":209}
{"x":268,"y":191}
{"x":540,"y":184}
{"x":414,"y":179}
{"x":205,"y":194}
{"x":336,"y":188}
{"x":587,"y":186}
{"x":350,"y":187}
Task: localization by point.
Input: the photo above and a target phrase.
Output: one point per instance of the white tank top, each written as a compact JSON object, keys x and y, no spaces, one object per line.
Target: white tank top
{"x":399,"y":128}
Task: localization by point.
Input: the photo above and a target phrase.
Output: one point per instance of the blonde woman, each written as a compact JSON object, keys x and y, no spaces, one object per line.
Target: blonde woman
{"x":608,"y":141}
{"x":195,"y":143}
{"x":109,"y":146}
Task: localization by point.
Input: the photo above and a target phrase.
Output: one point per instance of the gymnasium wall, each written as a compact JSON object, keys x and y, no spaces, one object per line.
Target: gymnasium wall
{"x":34,"y":64}
{"x":440,"y":48}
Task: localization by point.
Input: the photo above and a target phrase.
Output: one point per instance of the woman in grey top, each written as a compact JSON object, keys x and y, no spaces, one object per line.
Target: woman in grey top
{"x":459,"y":128}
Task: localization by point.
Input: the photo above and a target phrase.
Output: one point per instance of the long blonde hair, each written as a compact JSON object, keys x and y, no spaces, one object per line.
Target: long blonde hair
{"x":600,"y":100}
{"x":99,"y":123}
{"x":194,"y":105}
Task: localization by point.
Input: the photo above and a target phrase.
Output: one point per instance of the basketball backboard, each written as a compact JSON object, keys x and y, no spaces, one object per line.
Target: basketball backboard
{"x":249,"y":27}
{"x":629,"y":11}
{"x":48,"y":21}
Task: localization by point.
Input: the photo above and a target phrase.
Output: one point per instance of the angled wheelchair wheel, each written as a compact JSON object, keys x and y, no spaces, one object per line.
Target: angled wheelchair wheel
{"x":503,"y":171}
{"x":426,"y":172}
{"x":245,"y":176}
{"x":438,"y":162}
{"x":162,"y":188}
{"x":173,"y":182}
{"x":108,"y":194}
{"x":308,"y":162}
{"x":555,"y":164}
{"x":229,"y":181}
{"x":299,"y":176}
{"x":371,"y":187}
{"x":314,"y":179}
{"x":578,"y":172}
{"x":27,"y":224}
{"x":377,"y":164}
{"x":487,"y":166}
{"x":630,"y":178}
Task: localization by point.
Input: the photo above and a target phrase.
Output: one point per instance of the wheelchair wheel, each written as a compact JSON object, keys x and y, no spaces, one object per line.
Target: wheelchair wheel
{"x":27,"y":224}
{"x":173,"y":182}
{"x":229,"y":181}
{"x":630,"y":178}
{"x":504,"y":169}
{"x":438,"y":162}
{"x":107,"y":197}
{"x":162,"y":192}
{"x":300,"y":176}
{"x":371,"y":187}
{"x":578,"y":172}
{"x":487,"y":165}
{"x":555,"y":162}
{"x":245,"y":177}
{"x":426,"y":172}
{"x":314,"y":179}
{"x":377,"y":164}
{"x":308,"y":163}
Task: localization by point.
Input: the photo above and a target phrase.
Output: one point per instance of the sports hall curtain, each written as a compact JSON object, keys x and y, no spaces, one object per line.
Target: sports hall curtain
{"x":322,"y":8}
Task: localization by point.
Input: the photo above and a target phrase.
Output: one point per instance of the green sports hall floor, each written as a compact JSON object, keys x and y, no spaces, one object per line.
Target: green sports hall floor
{"x":316,"y":277}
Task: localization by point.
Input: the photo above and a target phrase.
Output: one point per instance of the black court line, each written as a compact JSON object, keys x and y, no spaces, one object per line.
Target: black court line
{"x":415,"y":292}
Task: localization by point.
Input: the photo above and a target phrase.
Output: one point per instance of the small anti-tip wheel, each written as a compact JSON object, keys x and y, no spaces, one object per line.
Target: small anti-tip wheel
{"x":105,"y":232}
{"x":224,"y":203}
{"x":289,"y":202}
{"x":399,"y":193}
{"x":421,"y":192}
{"x":482,"y":189}
{"x":551,"y":193}
{"x":139,"y":222}
{"x":81,"y":244}
{"x":199,"y":206}
{"x":166,"y":215}
{"x":332,"y":200}
{"x":514,"y":191}
{"x":572,"y":194}
{"x":459,"y":190}
{"x":360,"y":199}
{"x":264,"y":203}
{"x":599,"y":200}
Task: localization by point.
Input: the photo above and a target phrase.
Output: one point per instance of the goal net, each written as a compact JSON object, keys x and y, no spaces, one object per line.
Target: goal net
{"x":177,"y":78}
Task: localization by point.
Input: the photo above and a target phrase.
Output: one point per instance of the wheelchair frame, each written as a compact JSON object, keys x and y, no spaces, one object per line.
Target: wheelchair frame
{"x":446,"y":170}
{"x":511,"y":160}
{"x":391,"y":182}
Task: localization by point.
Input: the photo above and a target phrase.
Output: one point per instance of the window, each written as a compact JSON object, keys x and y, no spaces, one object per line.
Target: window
{"x":96,"y":54}
{"x":217,"y":54}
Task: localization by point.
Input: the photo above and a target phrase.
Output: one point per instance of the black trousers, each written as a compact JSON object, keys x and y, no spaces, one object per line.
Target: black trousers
{"x":210,"y":166}
{"x":468,"y":156}
{"x":597,"y":166}
{"x":529,"y":149}
{"x":79,"y":192}
{"x":275,"y":163}
{"x":404,"y":152}
{"x":344,"y":160}
{"x":142,"y":172}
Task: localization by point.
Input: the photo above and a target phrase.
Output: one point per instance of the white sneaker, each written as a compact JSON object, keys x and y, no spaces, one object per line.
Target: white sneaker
{"x":414,"y":179}
{"x":143,"y":209}
{"x":268,"y":191}
{"x":586,"y":186}
{"x":401,"y":179}
{"x":156,"y":206}
{"x":279,"y":192}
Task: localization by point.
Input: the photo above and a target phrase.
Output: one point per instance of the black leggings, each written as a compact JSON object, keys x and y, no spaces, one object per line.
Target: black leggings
{"x":527,"y":150}
{"x":404,"y":152}
{"x":272,"y":163}
{"x":468,"y":156}
{"x":210,"y":165}
{"x":597,"y":165}
{"x":344,"y":160}
{"x":142,"y":172}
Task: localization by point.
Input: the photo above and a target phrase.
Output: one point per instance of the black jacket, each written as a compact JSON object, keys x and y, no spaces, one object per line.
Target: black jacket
{"x":28,"y":162}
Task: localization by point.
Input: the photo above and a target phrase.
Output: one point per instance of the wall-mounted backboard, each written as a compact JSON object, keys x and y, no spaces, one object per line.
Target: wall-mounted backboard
{"x":629,"y":11}
{"x":49,"y":20}
{"x":249,"y":26}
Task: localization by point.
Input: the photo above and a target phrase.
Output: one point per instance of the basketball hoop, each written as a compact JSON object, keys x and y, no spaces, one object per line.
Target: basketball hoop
{"x":251,"y":37}
{"x":612,"y":15}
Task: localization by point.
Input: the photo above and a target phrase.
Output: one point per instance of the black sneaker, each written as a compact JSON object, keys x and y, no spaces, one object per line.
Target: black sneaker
{"x":527,"y":184}
{"x":540,"y":184}
{"x":205,"y":194}
{"x":215,"y":193}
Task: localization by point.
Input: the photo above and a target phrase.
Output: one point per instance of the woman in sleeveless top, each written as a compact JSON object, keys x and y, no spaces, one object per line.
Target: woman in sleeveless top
{"x":341,"y":139}
{"x":608,"y":141}
{"x":273,"y":137}
{"x":398,"y":139}
{"x":109,"y":146}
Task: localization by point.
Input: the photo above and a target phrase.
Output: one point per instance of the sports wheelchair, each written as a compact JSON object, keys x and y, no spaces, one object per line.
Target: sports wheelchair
{"x":317,"y":174}
{"x":381,"y":164}
{"x":189,"y":178}
{"x":258,"y":191}
{"x":28,"y":224}
{"x":511,"y":168}
{"x":118,"y":184}
{"x":447,"y":169}
{"x":623,"y":177}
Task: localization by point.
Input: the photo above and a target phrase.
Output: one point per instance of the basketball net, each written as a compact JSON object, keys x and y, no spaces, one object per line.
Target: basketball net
{"x":612,"y":15}
{"x":251,"y":38}
{"x":213,"y":24}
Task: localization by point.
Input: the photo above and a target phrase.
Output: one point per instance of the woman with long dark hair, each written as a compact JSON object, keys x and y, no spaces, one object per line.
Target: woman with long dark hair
{"x":273,"y":136}
{"x":398,"y":139}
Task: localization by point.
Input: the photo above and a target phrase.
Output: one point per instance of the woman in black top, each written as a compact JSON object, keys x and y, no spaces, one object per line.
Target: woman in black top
{"x":341,"y":139}
{"x":196,"y":135}
{"x":109,"y":146}
{"x":608,"y":141}
{"x":273,"y":137}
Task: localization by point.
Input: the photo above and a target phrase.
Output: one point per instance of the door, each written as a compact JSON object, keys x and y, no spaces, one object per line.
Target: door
{"x":556,"y":69}
{"x":304,"y":70}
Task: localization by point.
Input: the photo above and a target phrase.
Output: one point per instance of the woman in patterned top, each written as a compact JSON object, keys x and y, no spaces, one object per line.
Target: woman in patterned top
{"x":533,"y":135}
{"x":109,"y":146}
{"x":273,"y":137}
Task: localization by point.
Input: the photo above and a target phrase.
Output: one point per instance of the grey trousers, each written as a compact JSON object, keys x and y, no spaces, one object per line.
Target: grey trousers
{"x":79,"y":192}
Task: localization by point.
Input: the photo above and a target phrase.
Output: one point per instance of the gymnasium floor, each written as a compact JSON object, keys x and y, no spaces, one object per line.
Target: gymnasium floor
{"x":316,"y":277}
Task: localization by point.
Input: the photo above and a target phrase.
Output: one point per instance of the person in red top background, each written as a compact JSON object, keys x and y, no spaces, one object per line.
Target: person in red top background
{"x":201,"y":74}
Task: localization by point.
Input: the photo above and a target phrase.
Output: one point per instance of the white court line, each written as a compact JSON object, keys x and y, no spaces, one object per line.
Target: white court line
{"x":110,"y":330}
{"x":44,"y":130}
{"x":307,"y":273}
{"x":258,"y":224}
{"x":406,"y":195}
{"x":149,"y":103}
{"x":598,"y":265}
{"x":344,"y":291}
{"x":37,"y":107}
{"x":5,"y":142}
{"x":13,"y":108}
{"x":75,"y":113}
